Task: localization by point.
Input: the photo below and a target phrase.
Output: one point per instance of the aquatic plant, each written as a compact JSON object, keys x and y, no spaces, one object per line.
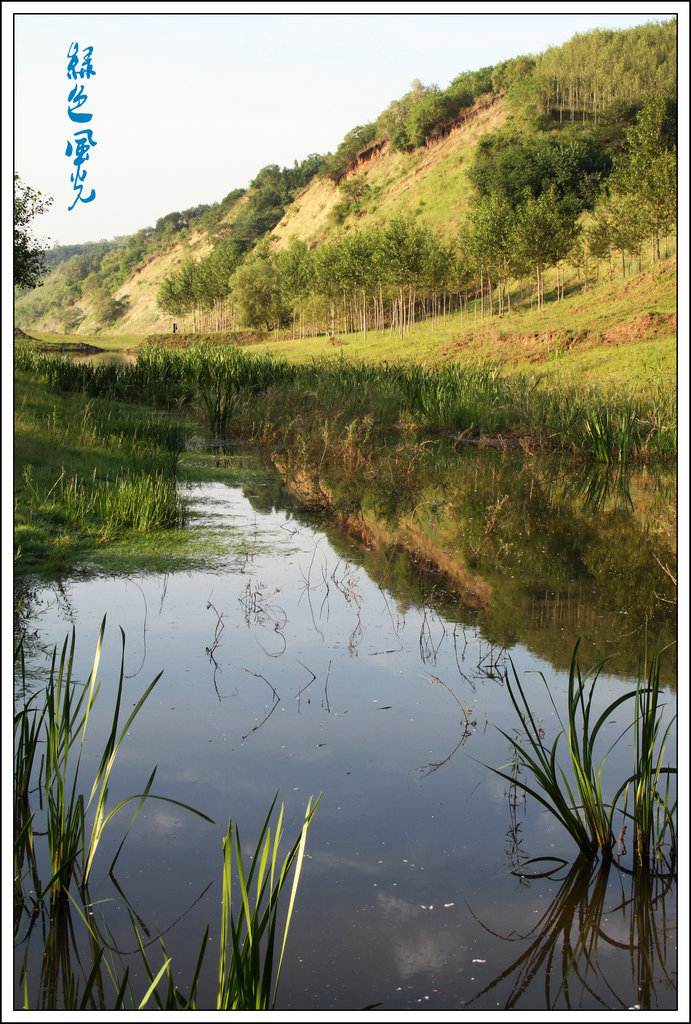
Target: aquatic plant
{"x":72,"y":834}
{"x":246,"y":967}
{"x":574,"y":795}
{"x":250,"y":958}
{"x":259,"y":396}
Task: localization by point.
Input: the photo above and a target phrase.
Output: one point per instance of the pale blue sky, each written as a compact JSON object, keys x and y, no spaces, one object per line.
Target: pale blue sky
{"x":187,"y":107}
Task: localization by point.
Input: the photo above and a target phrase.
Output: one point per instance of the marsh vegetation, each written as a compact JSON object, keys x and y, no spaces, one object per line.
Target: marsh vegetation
{"x":333,"y":606}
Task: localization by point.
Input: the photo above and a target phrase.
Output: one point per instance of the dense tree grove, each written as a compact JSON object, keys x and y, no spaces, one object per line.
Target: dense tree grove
{"x":582,"y":78}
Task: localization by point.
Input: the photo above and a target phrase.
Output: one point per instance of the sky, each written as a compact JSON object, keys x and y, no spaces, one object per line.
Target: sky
{"x":186,"y":107}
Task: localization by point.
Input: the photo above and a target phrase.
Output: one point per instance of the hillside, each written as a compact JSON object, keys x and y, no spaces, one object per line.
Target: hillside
{"x":514,"y":183}
{"x":430,"y":182}
{"x":137,"y":292}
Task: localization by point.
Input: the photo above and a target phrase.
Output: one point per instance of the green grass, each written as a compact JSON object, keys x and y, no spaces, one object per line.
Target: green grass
{"x":573,"y":793}
{"x":88,"y":471}
{"x":617,"y":336}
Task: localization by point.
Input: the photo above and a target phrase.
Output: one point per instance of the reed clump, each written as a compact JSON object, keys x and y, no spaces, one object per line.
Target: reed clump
{"x":254,"y":395}
{"x":574,"y":792}
{"x":73,"y":822}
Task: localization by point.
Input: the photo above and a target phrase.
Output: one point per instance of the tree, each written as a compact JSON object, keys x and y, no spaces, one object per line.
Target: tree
{"x":492,"y":228}
{"x":256,"y":290}
{"x":647,"y":172}
{"x":546,"y":231}
{"x":29,"y":268}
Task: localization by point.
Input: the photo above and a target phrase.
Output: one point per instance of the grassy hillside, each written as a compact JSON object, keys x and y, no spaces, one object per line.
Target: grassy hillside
{"x":50,"y":307}
{"x":430,"y":182}
{"x":619,"y":334}
{"x":566,"y":160}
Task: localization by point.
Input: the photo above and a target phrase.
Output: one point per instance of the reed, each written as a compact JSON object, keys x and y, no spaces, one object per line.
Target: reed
{"x":252,"y":945}
{"x":28,"y":725}
{"x":257,"y":395}
{"x":653,"y":812}
{"x":248,"y":973}
{"x":74,"y":822}
{"x":575,"y":795}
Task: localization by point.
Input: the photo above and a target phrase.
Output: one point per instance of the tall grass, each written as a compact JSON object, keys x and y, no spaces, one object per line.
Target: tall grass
{"x":248,"y":974}
{"x":574,"y":793}
{"x":128,"y":502}
{"x":74,"y":822}
{"x":87,"y":470}
{"x":251,"y":946}
{"x":653,"y":812}
{"x":257,"y":395}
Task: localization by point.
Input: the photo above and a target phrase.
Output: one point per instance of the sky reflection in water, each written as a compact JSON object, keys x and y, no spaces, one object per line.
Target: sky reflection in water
{"x":292,"y":671}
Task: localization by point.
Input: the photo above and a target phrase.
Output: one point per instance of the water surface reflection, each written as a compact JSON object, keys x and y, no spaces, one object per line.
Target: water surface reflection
{"x":331,"y":662}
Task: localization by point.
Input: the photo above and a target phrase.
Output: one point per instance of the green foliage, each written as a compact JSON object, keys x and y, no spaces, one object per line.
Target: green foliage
{"x":355,"y":192}
{"x":647,"y":174}
{"x":86,"y":471}
{"x":581,"y":79}
{"x":270,"y":193}
{"x":477,"y":83}
{"x":422,"y":114}
{"x":247,"y":969}
{"x":28,"y":257}
{"x":87,"y":255}
{"x":508,"y":164}
{"x":73,"y":318}
{"x":109,"y":310}
{"x":256,"y":291}
{"x":575,"y":795}
{"x":427,"y":112}
{"x":511,"y":71}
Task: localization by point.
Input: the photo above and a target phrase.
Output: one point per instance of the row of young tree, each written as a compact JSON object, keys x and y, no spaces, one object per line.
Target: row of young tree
{"x":389,"y":277}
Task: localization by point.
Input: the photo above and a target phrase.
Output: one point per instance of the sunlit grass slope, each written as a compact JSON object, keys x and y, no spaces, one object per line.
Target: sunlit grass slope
{"x":620,"y":334}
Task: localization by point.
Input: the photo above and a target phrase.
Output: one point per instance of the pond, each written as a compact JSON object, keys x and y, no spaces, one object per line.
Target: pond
{"x":368,"y":665}
{"x":105,"y":357}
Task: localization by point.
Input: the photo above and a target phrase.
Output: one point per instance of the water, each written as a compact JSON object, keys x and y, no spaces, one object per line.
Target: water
{"x":105,"y":358}
{"x":305,"y":663}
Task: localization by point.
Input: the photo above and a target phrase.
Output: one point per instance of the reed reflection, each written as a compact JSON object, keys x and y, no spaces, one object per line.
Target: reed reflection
{"x":601,"y":913}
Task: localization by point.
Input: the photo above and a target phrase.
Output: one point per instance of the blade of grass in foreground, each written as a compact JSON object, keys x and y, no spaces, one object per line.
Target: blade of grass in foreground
{"x":247,"y":942}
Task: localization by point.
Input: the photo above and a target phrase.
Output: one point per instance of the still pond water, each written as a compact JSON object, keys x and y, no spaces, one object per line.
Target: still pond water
{"x":369,"y":667}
